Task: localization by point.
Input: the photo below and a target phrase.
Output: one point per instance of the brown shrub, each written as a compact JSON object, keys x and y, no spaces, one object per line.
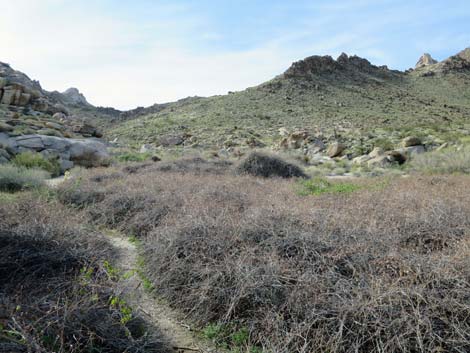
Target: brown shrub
{"x":54,"y":289}
{"x":386,"y":269}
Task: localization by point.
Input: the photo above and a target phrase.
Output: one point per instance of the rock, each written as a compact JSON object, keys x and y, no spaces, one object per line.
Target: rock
{"x":425,"y":60}
{"x":376,"y":152}
{"x":295,"y":140}
{"x":171,"y":140}
{"x":380,"y":161}
{"x":5,"y":127}
{"x":440,"y":148}
{"x":147,"y":149}
{"x":3,"y":82}
{"x":59,"y":117}
{"x":361,"y":159}
{"x":397,"y":157}
{"x":413,"y":150}
{"x":33,"y":142}
{"x":9,"y":95}
{"x":86,"y":129}
{"x":23,"y":99}
{"x":52,"y":125}
{"x":156,"y":159}
{"x":74,"y":96}
{"x":283,"y":132}
{"x":49,"y":132}
{"x":319,"y":160}
{"x":88,"y":153}
{"x":3,"y":160}
{"x":65,"y":165}
{"x":4,"y":154}
{"x":411,"y":141}
{"x":315,"y":146}
{"x":335,"y":149}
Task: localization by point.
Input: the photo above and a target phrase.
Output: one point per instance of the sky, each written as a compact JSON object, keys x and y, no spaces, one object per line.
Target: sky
{"x":129,"y":53}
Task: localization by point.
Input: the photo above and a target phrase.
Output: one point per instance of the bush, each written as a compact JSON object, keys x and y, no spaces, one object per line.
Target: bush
{"x":55,"y":292}
{"x":445,"y":162}
{"x":14,"y":178}
{"x":320,"y":186}
{"x":263,"y":165}
{"x":32,"y":160}
{"x":133,"y":157}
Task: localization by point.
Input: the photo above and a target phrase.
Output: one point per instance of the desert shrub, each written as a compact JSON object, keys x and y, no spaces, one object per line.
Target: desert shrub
{"x":448,"y":161}
{"x":263,"y":165}
{"x":79,"y":197}
{"x":387,"y":271}
{"x":14,"y":178}
{"x":54,"y":288}
{"x":196,"y":165}
{"x":32,"y":160}
{"x":319,"y":186}
{"x":133,"y":157}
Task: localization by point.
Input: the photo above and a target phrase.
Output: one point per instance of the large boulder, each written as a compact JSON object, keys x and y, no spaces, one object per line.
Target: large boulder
{"x":88,"y":153}
{"x":335,"y":149}
{"x":411,"y":141}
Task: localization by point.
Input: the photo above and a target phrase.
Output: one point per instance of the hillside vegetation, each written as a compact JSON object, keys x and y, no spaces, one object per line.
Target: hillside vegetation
{"x":347,"y":99}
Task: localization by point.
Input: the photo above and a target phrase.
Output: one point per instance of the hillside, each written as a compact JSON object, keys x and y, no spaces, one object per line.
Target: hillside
{"x":348,"y":98}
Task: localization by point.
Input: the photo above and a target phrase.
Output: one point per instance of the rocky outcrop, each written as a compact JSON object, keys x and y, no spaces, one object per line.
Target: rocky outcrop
{"x":353,"y":66}
{"x":455,"y":63}
{"x":425,"y":60}
{"x":70,"y":152}
{"x":73,"y":96}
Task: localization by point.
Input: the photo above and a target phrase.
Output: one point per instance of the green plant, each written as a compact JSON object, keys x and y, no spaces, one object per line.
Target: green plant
{"x":13,"y":178}
{"x":320,"y":186}
{"x":33,"y":160}
{"x":133,"y":157}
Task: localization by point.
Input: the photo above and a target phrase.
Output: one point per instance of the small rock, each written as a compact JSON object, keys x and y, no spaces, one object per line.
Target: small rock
{"x":5,"y":127}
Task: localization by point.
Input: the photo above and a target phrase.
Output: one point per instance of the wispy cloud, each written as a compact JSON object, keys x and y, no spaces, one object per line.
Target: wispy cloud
{"x":125,"y":54}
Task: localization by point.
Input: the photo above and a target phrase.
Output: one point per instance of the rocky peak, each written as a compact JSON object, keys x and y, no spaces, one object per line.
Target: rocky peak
{"x":74,"y":96}
{"x":425,"y":60}
{"x":321,"y":65}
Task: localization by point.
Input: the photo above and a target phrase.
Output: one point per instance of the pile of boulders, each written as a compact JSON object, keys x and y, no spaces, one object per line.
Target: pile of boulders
{"x":69,"y":152}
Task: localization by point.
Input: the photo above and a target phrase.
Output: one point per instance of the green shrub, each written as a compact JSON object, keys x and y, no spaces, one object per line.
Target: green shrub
{"x":133,"y":157}
{"x":449,"y":161}
{"x":320,"y":186}
{"x":13,"y":178}
{"x":33,"y":160}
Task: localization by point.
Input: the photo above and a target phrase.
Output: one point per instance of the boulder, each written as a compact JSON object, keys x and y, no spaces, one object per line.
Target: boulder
{"x":32,"y":142}
{"x":335,"y":149}
{"x":411,"y":141}
{"x":88,"y":153}
{"x":5,"y":127}
{"x":413,"y":150}
{"x":361,"y":159}
{"x":86,"y":129}
{"x":59,"y":117}
{"x":376,"y":152}
{"x":9,"y":95}
{"x":3,"y":82}
{"x":171,"y":140}
{"x":397,"y":157}
{"x":283,"y":132}
{"x":380,"y":161}
{"x":147,"y":149}
{"x":54,"y":126}
{"x":24,"y":99}
{"x":425,"y":60}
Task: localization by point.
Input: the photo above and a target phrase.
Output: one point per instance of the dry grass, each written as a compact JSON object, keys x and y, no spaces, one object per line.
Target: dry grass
{"x":55,"y":288}
{"x":384,"y":269}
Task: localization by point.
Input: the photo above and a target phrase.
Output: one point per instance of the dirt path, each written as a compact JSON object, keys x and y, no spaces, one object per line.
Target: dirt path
{"x":181,"y":338}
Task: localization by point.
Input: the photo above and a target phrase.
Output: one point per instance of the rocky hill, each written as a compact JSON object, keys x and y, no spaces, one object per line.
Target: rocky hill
{"x":347,"y":100}
{"x":51,"y":123}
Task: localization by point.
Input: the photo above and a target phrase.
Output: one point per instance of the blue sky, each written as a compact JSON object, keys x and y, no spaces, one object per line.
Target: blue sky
{"x":130,"y":53}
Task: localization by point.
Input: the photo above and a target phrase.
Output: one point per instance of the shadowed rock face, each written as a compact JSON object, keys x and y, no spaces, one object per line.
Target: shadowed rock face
{"x":425,"y":60}
{"x":353,"y":66}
